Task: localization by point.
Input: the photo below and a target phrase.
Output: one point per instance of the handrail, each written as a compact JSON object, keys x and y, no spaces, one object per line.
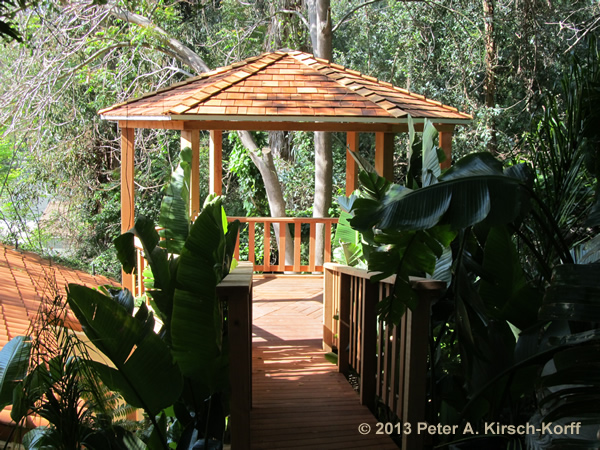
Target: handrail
{"x":289,"y":244}
{"x":391,"y":360}
{"x":236,"y":292}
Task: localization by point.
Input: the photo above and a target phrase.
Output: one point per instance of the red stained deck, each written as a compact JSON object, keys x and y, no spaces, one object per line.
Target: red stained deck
{"x":299,"y":399}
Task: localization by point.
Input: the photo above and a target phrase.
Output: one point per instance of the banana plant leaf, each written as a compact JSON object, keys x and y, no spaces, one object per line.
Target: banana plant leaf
{"x":475,"y":189}
{"x":14,"y":361}
{"x":162,"y":286}
{"x":146,"y":374}
{"x":197,"y":316}
{"x":174,"y":218}
{"x":504,"y":288}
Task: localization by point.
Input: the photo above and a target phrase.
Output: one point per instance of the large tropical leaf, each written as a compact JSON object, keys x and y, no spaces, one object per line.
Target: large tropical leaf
{"x":146,"y":374}
{"x":569,"y":386}
{"x":347,"y":242}
{"x":405,"y":254}
{"x":161,"y":286}
{"x":174,"y":218}
{"x":465,"y":195}
{"x":431,"y":164}
{"x":197,"y":317}
{"x":504,"y":288}
{"x":14,"y":361}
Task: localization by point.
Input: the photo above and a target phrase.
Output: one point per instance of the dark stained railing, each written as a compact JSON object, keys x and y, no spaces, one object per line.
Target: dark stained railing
{"x":391,"y":360}
{"x":236,"y":291}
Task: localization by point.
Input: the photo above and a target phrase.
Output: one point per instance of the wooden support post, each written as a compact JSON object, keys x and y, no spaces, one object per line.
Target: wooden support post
{"x":384,"y":155}
{"x":445,"y":143}
{"x":351,"y":166}
{"x":191,"y":139}
{"x":368,"y":345}
{"x":216,"y":162}
{"x":127,"y":192}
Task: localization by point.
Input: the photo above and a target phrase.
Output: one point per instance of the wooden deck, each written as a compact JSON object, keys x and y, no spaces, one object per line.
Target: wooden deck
{"x":299,"y":399}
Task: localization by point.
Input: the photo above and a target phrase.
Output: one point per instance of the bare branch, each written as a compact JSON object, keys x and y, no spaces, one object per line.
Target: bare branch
{"x":352,"y":11}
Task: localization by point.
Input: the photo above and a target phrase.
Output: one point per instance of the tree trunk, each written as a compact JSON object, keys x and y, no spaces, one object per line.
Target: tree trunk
{"x":319,"y":14}
{"x":490,"y":69}
{"x":263,"y":160}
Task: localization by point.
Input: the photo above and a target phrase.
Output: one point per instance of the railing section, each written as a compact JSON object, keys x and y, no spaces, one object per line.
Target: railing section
{"x":391,"y":360}
{"x":236,"y":291}
{"x":294,"y":225}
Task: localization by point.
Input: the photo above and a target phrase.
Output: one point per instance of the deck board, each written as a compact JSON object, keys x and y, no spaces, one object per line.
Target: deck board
{"x":299,"y":400}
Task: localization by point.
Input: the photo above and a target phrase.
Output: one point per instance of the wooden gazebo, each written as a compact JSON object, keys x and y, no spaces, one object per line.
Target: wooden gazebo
{"x":283,"y":90}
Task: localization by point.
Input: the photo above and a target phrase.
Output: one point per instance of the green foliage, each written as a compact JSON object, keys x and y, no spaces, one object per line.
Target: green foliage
{"x":348,"y":248}
{"x":251,"y":188}
{"x":51,"y":375}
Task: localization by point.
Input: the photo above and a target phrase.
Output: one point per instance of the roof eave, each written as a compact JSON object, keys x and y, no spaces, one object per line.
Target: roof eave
{"x":283,"y":118}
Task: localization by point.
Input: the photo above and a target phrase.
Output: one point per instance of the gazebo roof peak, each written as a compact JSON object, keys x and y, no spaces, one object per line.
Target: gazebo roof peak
{"x":284,"y":86}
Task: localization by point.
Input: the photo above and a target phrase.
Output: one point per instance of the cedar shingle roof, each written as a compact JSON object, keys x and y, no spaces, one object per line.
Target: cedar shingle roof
{"x":284,"y":86}
{"x":25,"y":278}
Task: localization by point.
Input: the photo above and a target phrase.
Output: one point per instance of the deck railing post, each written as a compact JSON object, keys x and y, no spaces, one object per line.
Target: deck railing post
{"x":236,"y":290}
{"x":415,"y":387}
{"x":368,"y":345}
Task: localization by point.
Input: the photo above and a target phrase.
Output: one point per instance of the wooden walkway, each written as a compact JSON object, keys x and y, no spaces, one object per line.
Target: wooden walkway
{"x":300,"y":401}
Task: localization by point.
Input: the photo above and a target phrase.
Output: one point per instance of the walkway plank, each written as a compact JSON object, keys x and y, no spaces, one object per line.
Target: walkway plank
{"x":300,"y":401}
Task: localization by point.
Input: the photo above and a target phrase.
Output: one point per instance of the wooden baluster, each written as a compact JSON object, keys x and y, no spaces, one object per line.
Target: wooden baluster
{"x":380,"y":355}
{"x":354,"y":300}
{"x":251,"y":239}
{"x":137,"y":291}
{"x":282,"y":228}
{"x":327,"y":256}
{"x":403,"y":364}
{"x":267,"y":247}
{"x":328,"y":311}
{"x":311,"y":247}
{"x":394,"y":385}
{"x":236,"y":252}
{"x":297,"y":244}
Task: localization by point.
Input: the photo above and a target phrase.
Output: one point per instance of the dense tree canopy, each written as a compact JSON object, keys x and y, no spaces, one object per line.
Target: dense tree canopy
{"x":80,"y":56}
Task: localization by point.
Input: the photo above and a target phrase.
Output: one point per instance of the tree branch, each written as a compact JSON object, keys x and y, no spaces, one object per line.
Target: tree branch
{"x":297,"y":13}
{"x":184,"y":53}
{"x":352,"y":11}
